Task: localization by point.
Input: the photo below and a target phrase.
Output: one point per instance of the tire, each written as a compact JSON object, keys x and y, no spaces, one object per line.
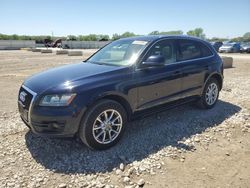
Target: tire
{"x":204,"y":101}
{"x":97,"y":130}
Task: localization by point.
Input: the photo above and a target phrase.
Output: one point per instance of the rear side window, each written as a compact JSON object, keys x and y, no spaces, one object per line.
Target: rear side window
{"x":189,"y":49}
{"x":205,"y":50}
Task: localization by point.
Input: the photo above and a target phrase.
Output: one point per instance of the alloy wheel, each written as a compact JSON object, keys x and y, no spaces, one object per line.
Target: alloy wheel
{"x":107,"y":126}
{"x":211,"y":94}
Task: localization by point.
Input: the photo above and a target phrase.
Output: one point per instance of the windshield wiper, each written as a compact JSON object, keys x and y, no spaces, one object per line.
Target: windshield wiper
{"x":102,"y":63}
{"x":95,"y":62}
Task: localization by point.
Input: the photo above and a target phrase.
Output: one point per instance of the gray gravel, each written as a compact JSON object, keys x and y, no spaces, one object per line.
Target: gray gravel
{"x":144,"y":144}
{"x":142,"y":138}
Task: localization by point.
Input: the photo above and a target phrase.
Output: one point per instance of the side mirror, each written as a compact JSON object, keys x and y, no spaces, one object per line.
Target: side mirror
{"x":154,"y":61}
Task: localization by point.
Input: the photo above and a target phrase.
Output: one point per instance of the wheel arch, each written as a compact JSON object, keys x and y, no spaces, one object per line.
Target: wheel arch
{"x":121,"y":100}
{"x":216,"y":76}
{"x":111,"y":96}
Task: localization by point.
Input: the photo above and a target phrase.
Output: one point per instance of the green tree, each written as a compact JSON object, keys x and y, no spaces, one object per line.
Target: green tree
{"x":81,"y":37}
{"x":178,"y":32}
{"x":103,"y":37}
{"x":124,"y":35}
{"x":246,"y":35}
{"x":3,"y":37}
{"x":154,"y":33}
{"x":128,"y":34}
{"x":71,"y":37}
{"x":198,"y":32}
{"x":91,"y":37}
{"x":237,"y":39}
{"x":116,"y":36}
{"x":14,"y":37}
{"x":216,"y":39}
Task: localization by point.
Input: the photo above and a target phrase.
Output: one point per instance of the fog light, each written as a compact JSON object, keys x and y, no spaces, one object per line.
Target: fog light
{"x":57,"y":125}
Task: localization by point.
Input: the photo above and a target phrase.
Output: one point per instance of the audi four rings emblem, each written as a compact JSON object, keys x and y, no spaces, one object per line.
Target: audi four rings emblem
{"x":22,"y":96}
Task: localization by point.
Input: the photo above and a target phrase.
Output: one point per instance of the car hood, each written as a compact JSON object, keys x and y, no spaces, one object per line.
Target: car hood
{"x":64,"y":75}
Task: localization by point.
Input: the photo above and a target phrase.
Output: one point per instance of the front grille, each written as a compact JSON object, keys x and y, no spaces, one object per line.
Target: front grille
{"x":25,"y":98}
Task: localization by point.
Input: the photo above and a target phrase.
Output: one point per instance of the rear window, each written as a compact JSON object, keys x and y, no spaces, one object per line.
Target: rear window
{"x":189,"y":49}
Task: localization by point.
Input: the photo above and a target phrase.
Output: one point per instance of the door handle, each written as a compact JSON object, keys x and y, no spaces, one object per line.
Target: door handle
{"x":177,"y":72}
{"x":152,"y":82}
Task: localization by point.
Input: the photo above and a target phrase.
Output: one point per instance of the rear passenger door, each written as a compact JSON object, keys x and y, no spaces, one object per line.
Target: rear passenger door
{"x":195,"y":58}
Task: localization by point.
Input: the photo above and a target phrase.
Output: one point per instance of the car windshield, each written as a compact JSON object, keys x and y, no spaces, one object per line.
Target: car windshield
{"x":122,"y":52}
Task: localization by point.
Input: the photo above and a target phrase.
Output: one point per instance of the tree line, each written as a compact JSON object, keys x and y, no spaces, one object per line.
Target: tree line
{"x":197,"y":32}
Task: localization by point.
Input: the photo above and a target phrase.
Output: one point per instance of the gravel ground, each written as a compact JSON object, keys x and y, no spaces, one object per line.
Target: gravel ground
{"x":182,"y":147}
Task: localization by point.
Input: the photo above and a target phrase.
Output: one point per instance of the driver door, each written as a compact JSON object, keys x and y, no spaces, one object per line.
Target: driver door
{"x":160,"y":84}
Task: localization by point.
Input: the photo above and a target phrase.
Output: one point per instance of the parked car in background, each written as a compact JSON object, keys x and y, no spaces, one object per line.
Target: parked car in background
{"x":217,"y":45}
{"x":127,"y":78}
{"x":230,"y":48}
{"x":245,"y":47}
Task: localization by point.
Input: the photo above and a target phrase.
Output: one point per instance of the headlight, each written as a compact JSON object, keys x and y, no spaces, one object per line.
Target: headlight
{"x":57,"y":100}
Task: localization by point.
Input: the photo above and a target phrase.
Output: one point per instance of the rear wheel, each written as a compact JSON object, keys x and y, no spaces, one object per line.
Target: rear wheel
{"x":103,"y":125}
{"x":210,"y":94}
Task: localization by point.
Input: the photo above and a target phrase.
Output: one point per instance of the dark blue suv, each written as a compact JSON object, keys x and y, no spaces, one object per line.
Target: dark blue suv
{"x":95,"y":99}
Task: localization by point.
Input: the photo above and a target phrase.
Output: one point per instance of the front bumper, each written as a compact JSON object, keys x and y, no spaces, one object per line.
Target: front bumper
{"x":51,"y":121}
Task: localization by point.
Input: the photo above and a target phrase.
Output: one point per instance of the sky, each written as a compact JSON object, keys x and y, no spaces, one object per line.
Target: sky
{"x":218,"y":18}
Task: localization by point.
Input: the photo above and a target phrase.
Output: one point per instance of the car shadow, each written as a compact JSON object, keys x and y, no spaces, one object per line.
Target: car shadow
{"x":142,"y":138}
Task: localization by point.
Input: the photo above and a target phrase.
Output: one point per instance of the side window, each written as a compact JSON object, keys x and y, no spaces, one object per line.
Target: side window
{"x":165,"y":48}
{"x":205,"y":50}
{"x":188,"y":49}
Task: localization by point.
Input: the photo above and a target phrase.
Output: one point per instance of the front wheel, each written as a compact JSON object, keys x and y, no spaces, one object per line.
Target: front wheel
{"x":103,"y":125}
{"x":210,"y":94}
